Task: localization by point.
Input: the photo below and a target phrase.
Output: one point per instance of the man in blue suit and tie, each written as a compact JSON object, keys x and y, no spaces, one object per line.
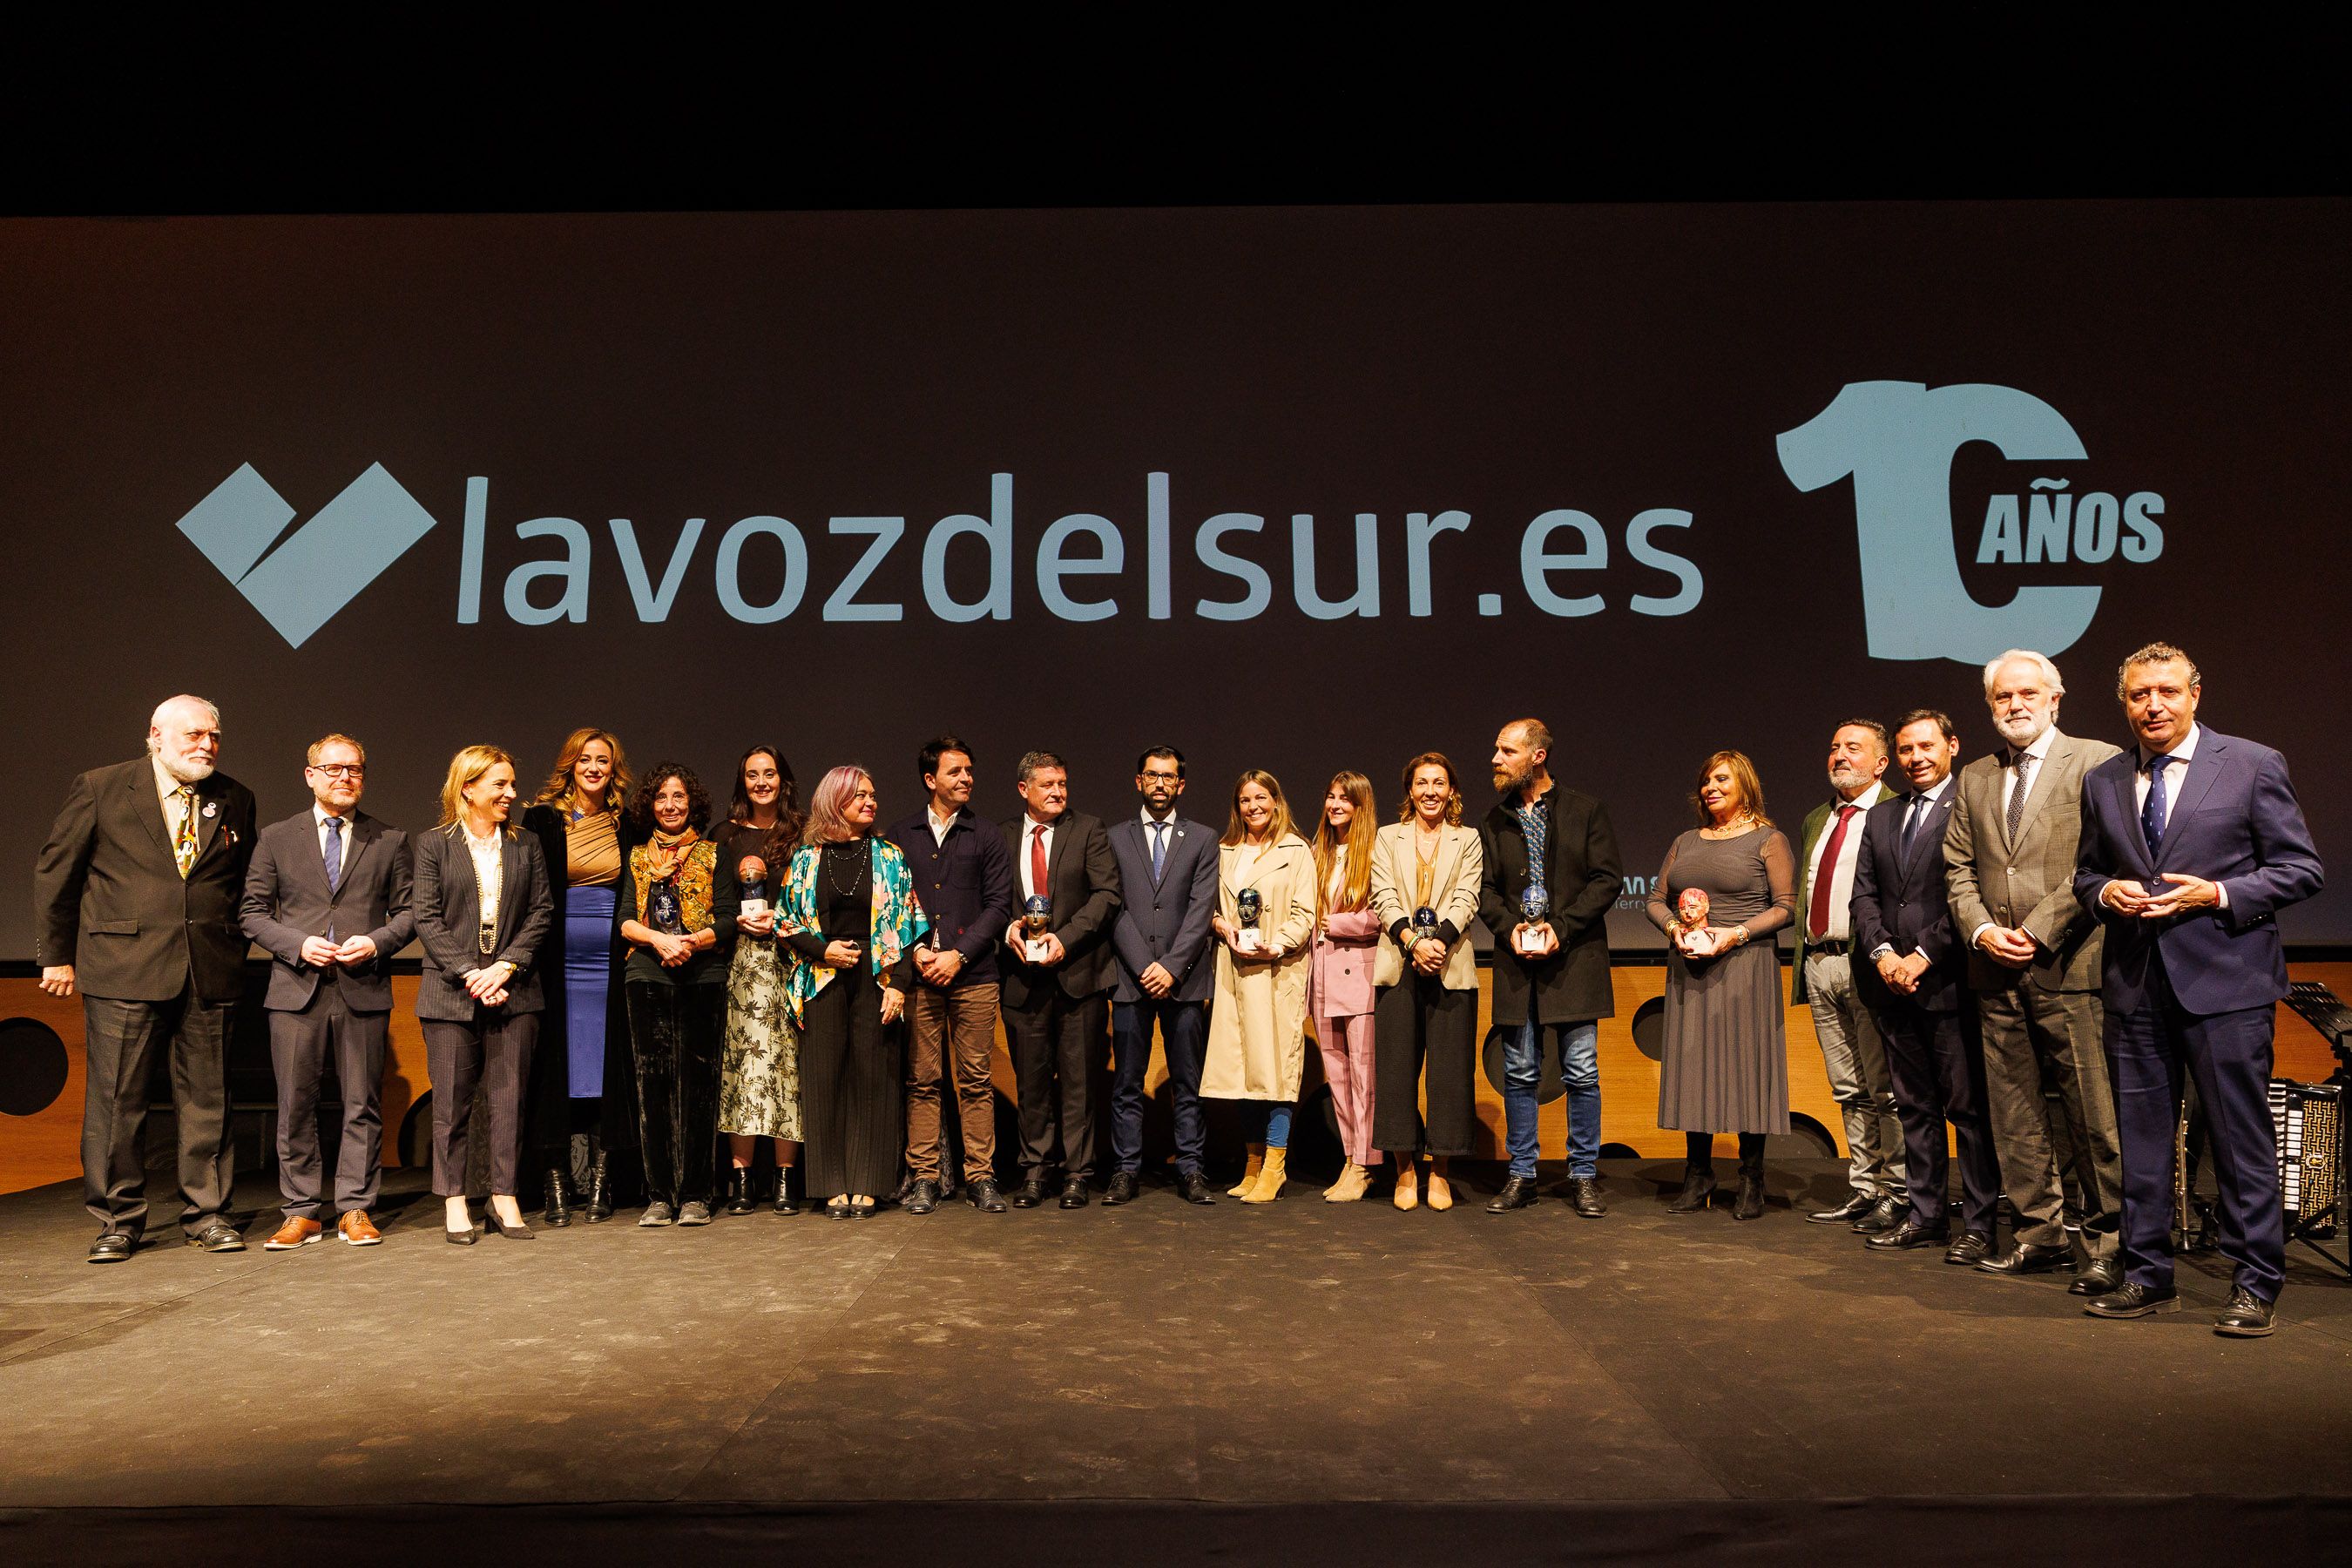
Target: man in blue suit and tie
{"x":2192,"y":842}
{"x":1169,"y":868}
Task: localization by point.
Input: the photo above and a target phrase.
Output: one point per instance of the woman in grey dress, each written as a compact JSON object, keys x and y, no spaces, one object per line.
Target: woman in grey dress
{"x":1726,"y":887}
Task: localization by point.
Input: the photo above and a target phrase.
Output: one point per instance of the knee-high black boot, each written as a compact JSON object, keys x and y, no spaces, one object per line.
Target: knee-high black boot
{"x":1698,"y":1174}
{"x":1751,"y":1202}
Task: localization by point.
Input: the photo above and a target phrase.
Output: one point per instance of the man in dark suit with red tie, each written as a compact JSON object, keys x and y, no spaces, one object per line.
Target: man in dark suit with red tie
{"x":1057,"y":984}
{"x":135,"y":905}
{"x":2192,"y":843}
{"x":1912,"y":969}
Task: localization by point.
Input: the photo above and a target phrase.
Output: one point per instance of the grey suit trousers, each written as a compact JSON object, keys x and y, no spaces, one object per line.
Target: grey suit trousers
{"x":2036,"y":1040}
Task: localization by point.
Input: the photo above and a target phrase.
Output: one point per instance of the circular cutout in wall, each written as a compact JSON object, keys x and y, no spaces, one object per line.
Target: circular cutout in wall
{"x":33,"y":1065}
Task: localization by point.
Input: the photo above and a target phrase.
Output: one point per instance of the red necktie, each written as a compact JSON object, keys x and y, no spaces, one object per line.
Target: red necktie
{"x":1817,"y":913}
{"x":1038,"y":861}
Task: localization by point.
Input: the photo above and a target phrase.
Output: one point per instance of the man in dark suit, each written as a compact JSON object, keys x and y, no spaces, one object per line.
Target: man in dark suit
{"x":1168,"y":875}
{"x":135,"y":903}
{"x":2192,"y":843}
{"x":1552,"y":973}
{"x":1057,"y":985}
{"x":328,"y":896}
{"x":1913,"y":973}
{"x":963,"y":878}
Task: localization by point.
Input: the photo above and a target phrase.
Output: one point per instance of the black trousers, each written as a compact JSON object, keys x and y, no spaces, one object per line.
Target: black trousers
{"x":1936,"y":1061}
{"x":300,"y":1045}
{"x":121,"y":1039}
{"x":492,"y":1049}
{"x":1413,"y":1021}
{"x":675,"y":1034}
{"x":853,"y":1089}
{"x":1058,"y":1046}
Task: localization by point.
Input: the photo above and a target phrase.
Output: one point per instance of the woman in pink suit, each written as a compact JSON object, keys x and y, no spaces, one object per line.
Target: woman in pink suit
{"x":1339,"y":984}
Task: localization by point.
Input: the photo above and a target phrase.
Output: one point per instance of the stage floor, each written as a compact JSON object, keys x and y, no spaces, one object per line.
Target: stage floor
{"x":1294,"y":1353}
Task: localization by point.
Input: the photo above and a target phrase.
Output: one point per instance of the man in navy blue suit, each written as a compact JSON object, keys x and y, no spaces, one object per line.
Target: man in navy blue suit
{"x":1168,"y":867}
{"x":2192,"y":842}
{"x":1912,"y":971}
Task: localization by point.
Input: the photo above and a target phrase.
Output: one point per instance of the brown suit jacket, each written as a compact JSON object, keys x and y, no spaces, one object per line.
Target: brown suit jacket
{"x":2029,"y":884}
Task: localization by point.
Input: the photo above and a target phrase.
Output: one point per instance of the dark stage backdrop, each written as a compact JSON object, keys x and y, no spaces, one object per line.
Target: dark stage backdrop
{"x":1299,"y":489}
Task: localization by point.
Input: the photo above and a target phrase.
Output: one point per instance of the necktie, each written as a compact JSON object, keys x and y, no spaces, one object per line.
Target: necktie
{"x":183,"y":842}
{"x":334,"y":853}
{"x":2151,"y":812}
{"x":1817,"y":913}
{"x":2023,"y":762}
{"x":1918,"y":809}
{"x":1037,"y":862}
{"x":1159,"y":849}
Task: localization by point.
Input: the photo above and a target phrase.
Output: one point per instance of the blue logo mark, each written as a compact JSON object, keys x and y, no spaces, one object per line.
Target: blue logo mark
{"x":300,"y":580}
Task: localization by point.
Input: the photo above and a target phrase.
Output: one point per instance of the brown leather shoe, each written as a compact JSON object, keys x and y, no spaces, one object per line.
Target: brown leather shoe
{"x":357,"y":1229}
{"x":296,"y":1232}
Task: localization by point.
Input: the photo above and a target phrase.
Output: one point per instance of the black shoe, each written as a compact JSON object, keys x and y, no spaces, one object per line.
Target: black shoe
{"x":862,"y":1208}
{"x":1194,"y":1188}
{"x":1584,"y":1196}
{"x":1519,"y":1193}
{"x":1074,"y":1193}
{"x":923,"y":1196}
{"x":2130,"y":1300}
{"x":491,"y":1222}
{"x":657,"y":1214}
{"x":695,"y":1213}
{"x":1123,"y":1188}
{"x":1699,"y":1188}
{"x":111,"y":1246}
{"x":600,"y":1191}
{"x":1908,"y":1235}
{"x":984,"y":1196}
{"x":217,"y":1237}
{"x":1029,"y":1193}
{"x":785,"y":1203}
{"x":559,"y":1208}
{"x":1749,"y":1205}
{"x":2247,"y":1317}
{"x":1972,"y":1248}
{"x":2030,"y":1258}
{"x":466,"y":1237}
{"x":1853,"y":1208}
{"x":2102,"y":1276}
{"x":1884,"y":1215}
{"x":836,"y":1208}
{"x":739,"y":1191}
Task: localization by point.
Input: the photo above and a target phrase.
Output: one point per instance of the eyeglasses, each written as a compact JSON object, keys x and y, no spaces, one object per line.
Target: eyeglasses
{"x":341,"y":769}
{"x":1162,"y":778}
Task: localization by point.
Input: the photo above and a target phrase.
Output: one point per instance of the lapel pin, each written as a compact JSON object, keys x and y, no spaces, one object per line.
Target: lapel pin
{"x":211,"y":808}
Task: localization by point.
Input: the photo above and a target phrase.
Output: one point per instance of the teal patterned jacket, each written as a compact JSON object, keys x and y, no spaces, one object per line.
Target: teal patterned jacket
{"x":899,"y":921}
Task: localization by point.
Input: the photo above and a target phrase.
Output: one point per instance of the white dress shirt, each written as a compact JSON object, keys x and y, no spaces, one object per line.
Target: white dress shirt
{"x":2175,"y":764}
{"x":489,"y":878}
{"x":939,"y":824}
{"x":1841,"y":887}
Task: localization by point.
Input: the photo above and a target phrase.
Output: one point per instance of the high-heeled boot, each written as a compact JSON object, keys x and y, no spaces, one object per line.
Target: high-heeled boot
{"x":1268,"y":1186}
{"x":1249,"y":1172}
{"x":1749,"y":1205}
{"x":559,"y":1210}
{"x":739,"y":1190}
{"x":600,"y":1190}
{"x":785,"y":1203}
{"x":1698,"y":1175}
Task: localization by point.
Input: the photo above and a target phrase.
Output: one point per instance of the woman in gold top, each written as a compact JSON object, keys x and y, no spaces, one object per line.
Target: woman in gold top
{"x":581,"y":1107}
{"x":1425,"y":871}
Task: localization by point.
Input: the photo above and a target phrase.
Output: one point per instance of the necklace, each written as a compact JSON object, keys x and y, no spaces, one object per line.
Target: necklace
{"x":1732,"y":829}
{"x":833,"y":863}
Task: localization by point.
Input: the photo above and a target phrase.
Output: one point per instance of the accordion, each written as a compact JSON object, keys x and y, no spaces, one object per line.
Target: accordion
{"x":2309,"y":1122}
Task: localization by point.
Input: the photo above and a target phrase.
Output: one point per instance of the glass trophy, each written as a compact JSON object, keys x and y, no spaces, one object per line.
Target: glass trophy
{"x":664,"y":910}
{"x":1036,"y":915}
{"x":1251,"y":907}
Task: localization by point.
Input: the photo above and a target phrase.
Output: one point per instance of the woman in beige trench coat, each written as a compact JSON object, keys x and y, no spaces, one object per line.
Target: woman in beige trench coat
{"x":1257,"y":1020}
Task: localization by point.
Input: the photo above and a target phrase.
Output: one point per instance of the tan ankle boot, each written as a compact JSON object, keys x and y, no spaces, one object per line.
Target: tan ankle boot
{"x":1408,"y":1184}
{"x":1441,"y":1191}
{"x":1269,"y":1178}
{"x":1350,"y":1185}
{"x":1249,"y":1172}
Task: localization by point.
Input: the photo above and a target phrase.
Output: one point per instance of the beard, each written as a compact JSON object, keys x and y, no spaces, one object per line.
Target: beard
{"x":2023,"y":730}
{"x":1507,"y":781}
{"x":192,"y":772}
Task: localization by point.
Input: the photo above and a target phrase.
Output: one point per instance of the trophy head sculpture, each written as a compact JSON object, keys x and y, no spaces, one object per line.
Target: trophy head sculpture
{"x":1250,"y":904}
{"x":1691,"y":907}
{"x":1037,"y":913}
{"x":1535,"y":904}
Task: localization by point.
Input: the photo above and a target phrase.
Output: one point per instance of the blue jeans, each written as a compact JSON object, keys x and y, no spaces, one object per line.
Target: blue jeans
{"x":1579,"y":1070}
{"x":1274,"y":1123}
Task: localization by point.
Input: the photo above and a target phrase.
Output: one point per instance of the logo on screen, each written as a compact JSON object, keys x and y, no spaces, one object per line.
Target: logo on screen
{"x":1897,"y":439}
{"x":299,"y":580}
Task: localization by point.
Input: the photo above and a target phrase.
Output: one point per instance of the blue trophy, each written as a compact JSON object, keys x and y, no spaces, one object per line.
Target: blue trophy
{"x":1534,"y":909}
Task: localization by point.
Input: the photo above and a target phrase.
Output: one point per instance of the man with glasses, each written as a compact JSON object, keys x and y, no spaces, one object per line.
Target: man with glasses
{"x":327,"y":897}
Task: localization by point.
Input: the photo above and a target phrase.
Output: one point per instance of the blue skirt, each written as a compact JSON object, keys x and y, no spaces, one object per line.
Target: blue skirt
{"x":587,"y":984}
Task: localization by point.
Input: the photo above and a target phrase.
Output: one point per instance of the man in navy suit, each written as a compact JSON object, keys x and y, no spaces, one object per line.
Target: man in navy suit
{"x":2192,"y":842}
{"x":1168,"y":867}
{"x":1912,"y":974}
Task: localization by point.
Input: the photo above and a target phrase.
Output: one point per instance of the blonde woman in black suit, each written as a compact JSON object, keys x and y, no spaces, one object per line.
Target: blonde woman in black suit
{"x":483,"y":907}
{"x":1425,"y":875}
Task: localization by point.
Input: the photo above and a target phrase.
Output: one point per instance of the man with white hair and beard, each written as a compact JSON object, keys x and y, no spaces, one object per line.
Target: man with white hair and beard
{"x":135,"y":904}
{"x":2033,"y":963}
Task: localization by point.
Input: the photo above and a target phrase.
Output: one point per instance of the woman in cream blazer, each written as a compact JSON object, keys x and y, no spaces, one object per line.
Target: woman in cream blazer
{"x":1257,"y":1020}
{"x":1428,"y":984}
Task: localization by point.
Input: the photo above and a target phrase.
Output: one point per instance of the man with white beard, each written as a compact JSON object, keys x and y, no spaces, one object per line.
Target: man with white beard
{"x":135,"y":904}
{"x":2034,"y":958}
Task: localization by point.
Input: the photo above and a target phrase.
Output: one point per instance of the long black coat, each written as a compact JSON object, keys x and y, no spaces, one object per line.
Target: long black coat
{"x":1583,"y":875}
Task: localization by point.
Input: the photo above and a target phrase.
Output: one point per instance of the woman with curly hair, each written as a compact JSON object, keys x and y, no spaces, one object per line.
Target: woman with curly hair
{"x":851,"y":921}
{"x":678,"y":901}
{"x":760,"y":1072}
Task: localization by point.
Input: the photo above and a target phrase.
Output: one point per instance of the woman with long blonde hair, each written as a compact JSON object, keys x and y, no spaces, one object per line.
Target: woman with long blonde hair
{"x":1340,"y":976}
{"x":1257,"y":1022}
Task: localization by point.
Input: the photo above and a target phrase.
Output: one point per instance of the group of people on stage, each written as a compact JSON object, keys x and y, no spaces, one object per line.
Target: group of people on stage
{"x":2034,"y":951}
